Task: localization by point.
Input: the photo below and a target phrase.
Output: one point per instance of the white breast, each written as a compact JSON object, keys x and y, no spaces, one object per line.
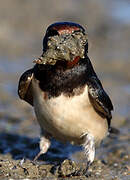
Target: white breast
{"x":67,"y":118}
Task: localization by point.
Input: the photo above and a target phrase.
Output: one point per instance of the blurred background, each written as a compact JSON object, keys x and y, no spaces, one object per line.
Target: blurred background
{"x":22,"y":27}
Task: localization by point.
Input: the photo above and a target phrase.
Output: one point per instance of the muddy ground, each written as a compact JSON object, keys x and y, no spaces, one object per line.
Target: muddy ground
{"x":22,"y":27}
{"x":18,"y":151}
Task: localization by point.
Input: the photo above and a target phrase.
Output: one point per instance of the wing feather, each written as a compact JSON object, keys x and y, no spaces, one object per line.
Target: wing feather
{"x":99,"y":98}
{"x":24,"y":87}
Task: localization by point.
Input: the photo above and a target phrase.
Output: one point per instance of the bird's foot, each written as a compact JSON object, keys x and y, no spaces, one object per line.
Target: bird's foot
{"x":89,"y":148}
{"x":83,"y":171}
{"x":44,"y":146}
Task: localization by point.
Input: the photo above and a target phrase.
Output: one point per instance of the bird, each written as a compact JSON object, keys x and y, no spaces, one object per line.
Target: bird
{"x":68,"y":98}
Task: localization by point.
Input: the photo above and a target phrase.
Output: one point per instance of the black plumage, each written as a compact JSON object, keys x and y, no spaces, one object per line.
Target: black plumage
{"x":57,"y":79}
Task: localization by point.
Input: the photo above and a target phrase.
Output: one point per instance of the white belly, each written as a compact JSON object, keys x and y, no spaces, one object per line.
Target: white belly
{"x":68,"y":118}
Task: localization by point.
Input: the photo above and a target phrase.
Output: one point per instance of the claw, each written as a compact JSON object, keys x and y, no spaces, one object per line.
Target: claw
{"x":37,"y":156}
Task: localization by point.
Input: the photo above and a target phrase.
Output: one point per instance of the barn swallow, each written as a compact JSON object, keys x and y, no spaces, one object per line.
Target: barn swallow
{"x":68,"y":98}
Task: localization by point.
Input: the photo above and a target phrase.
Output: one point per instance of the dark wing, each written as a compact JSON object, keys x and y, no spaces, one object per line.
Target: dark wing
{"x":99,"y":99}
{"x":24,"y":87}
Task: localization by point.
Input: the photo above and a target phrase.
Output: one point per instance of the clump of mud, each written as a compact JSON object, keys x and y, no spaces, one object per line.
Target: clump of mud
{"x":63,"y":47}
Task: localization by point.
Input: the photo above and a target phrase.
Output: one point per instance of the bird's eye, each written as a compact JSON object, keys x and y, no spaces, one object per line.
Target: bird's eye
{"x":52,"y":32}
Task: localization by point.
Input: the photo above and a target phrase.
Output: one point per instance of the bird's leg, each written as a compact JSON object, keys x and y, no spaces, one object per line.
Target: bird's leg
{"x":89,"y":148}
{"x":44,"y":145}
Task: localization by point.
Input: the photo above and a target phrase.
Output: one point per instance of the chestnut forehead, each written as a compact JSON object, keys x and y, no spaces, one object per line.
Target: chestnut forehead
{"x":66,"y":29}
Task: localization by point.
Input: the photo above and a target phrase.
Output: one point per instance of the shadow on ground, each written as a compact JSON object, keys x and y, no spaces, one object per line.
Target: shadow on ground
{"x":24,"y":147}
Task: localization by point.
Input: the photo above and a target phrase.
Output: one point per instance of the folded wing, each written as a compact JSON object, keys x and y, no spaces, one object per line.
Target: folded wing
{"x":24,"y":87}
{"x":99,"y":98}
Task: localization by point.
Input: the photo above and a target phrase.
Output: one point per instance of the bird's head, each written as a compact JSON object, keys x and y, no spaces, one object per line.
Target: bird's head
{"x":64,"y":41}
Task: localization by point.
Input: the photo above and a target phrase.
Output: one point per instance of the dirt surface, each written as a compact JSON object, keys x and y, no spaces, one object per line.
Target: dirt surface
{"x":22,"y":27}
{"x":18,"y":152}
